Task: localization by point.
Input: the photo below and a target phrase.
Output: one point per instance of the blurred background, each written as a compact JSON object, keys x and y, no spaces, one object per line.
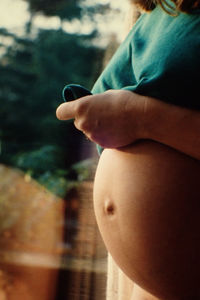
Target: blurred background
{"x":50,"y":247}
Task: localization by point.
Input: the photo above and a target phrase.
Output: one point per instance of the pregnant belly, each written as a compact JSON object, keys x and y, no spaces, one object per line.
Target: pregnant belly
{"x":147,"y":205}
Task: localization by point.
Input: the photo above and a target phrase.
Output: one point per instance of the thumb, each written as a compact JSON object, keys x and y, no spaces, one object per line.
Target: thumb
{"x":67,"y":111}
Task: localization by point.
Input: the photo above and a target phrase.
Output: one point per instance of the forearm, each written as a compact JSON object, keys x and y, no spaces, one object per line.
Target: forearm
{"x":120,"y":117}
{"x":174,"y":126}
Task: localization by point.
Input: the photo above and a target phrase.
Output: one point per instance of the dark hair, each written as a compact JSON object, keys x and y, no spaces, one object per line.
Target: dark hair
{"x":176,"y":5}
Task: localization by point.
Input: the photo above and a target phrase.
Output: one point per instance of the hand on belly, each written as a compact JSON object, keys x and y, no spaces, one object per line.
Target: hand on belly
{"x":147,"y":204}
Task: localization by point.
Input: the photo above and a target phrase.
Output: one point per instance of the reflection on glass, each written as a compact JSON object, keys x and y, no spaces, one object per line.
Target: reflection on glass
{"x":30,"y":234}
{"x":50,"y":247}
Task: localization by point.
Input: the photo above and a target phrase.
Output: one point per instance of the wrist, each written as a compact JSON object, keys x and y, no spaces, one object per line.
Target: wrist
{"x":149,"y":118}
{"x":159,"y":119}
{"x":144,"y":116}
{"x":155,"y":118}
{"x":138,"y":115}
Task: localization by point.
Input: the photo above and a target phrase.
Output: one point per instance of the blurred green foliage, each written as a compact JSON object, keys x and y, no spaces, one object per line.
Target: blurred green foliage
{"x":33,"y":72}
{"x":65,"y":9}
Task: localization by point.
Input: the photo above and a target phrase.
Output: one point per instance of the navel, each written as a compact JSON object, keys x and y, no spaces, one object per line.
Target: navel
{"x":109,"y":207}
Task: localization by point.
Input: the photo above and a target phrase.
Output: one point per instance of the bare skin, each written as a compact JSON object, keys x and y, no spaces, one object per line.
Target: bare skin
{"x":118,"y":118}
{"x":146,"y":201}
{"x":146,"y":194}
{"x":141,"y":294}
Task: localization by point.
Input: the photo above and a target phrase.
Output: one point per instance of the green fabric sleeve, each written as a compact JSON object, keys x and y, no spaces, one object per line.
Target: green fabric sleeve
{"x":159,"y":58}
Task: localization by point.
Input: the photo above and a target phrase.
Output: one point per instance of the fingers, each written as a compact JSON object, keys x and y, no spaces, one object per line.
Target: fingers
{"x":71,"y":109}
{"x":67,"y":111}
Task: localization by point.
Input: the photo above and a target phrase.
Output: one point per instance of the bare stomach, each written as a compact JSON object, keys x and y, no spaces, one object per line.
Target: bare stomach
{"x":147,"y":205}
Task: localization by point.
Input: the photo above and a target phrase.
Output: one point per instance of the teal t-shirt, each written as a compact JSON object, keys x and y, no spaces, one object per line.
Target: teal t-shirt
{"x":159,"y":58}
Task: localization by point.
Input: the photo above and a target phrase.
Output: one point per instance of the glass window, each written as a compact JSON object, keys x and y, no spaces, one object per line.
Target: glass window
{"x":50,"y":246}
